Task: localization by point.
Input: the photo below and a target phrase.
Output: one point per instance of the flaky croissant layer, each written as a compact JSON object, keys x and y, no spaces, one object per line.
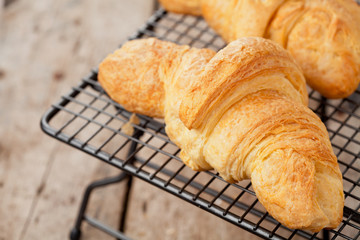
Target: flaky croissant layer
{"x":241,"y":111}
{"x":322,"y":35}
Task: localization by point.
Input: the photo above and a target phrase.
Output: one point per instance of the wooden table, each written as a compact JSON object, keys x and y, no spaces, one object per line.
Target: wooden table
{"x":45,"y":49}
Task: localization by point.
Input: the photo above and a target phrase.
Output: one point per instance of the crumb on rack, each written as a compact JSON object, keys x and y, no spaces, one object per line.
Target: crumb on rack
{"x":127,"y":128}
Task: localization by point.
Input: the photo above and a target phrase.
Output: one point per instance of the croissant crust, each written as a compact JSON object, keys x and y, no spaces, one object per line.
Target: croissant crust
{"x":322,"y":35}
{"x":241,"y":111}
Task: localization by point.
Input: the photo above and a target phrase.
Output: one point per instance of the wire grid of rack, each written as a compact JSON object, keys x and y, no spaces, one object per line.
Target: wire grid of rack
{"x":88,"y":120}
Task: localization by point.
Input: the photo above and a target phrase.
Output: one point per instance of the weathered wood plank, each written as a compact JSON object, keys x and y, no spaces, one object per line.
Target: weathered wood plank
{"x":45,"y":48}
{"x":1,"y":8}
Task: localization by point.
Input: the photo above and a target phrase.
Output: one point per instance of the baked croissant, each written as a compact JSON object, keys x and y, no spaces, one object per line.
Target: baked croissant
{"x":322,"y":35}
{"x":241,"y":111}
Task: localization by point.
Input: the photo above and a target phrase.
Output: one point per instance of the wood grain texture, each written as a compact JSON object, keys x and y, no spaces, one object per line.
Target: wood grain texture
{"x":45,"y":48}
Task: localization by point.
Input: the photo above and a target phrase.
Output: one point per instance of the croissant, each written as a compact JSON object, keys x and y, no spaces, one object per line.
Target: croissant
{"x":241,"y":111}
{"x":322,"y":35}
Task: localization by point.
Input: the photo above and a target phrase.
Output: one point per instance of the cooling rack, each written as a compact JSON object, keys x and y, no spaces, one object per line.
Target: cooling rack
{"x":88,"y":120}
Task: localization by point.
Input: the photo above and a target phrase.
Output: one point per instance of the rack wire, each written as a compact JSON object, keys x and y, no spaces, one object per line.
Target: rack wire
{"x":88,"y":120}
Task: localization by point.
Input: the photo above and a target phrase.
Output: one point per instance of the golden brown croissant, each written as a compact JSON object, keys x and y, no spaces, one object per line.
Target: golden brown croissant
{"x":192,"y":7}
{"x":241,"y":111}
{"x":322,"y":35}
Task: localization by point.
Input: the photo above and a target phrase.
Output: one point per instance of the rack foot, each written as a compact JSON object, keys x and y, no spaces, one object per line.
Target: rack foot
{"x":75,"y":234}
{"x":326,"y":234}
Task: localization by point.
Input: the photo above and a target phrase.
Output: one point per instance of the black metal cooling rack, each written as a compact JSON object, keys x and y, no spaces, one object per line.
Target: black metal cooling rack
{"x":88,"y":120}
